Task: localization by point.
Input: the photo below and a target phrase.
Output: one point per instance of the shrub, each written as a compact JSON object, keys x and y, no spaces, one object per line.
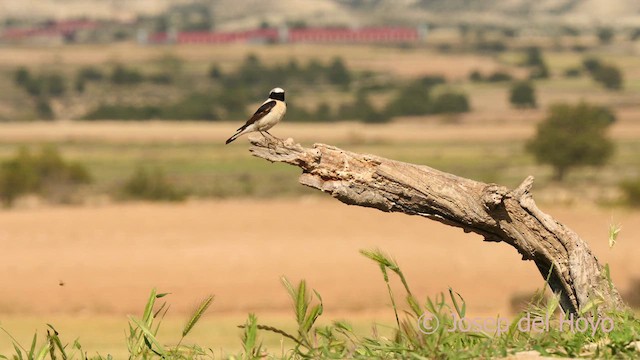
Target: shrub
{"x":450,"y":103}
{"x":90,"y":73}
{"x":533,"y":56}
{"x":161,"y":78}
{"x":324,"y":113}
{"x":123,"y":76}
{"x":522,"y":95}
{"x":43,"y":109}
{"x":215,"y":72}
{"x":123,"y":112}
{"x":55,"y":84}
{"x":364,"y":111}
{"x":338,"y":74}
{"x":151,"y":184}
{"x":196,"y":106}
{"x":491,"y":46}
{"x":573,"y":72}
{"x":591,"y":64}
{"x":609,"y":76}
{"x":21,"y":77}
{"x":413,"y":99}
{"x":475,"y":76}
{"x":499,"y":76}
{"x":539,"y":72}
{"x":605,"y":35}
{"x":572,"y":136}
{"x":40,"y":174}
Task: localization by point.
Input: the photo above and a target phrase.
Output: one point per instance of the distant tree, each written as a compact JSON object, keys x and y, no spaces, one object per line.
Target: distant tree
{"x":573,"y":72}
{"x":366,"y":112}
{"x":605,"y":35}
{"x":313,"y":71}
{"x":572,"y":136}
{"x":570,"y":31}
{"x":522,"y":95}
{"x":609,"y":76}
{"x":430,"y":81}
{"x":535,"y":60}
{"x":510,"y":32}
{"x":323,"y":112}
{"x":635,"y":34}
{"x":79,"y":85}
{"x":463,"y":29}
{"x":123,"y":76}
{"x":43,"y":109}
{"x":533,"y":56}
{"x":539,"y":72}
{"x":499,"y":76}
{"x":56,"y":85}
{"x":450,"y":103}
{"x":90,"y":73}
{"x":251,"y":71}
{"x":215,"y":72}
{"x":21,"y":76}
{"x":338,"y":74}
{"x":591,"y":64}
{"x":475,"y":76}
{"x":413,"y":99}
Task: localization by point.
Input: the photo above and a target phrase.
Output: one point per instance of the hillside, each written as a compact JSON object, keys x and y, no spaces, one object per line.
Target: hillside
{"x":231,"y":14}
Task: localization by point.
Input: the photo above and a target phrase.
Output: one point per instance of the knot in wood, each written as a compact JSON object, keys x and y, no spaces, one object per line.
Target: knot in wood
{"x":493,"y":195}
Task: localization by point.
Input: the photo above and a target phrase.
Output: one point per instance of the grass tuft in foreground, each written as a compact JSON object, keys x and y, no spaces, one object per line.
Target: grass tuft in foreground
{"x":438,"y":328}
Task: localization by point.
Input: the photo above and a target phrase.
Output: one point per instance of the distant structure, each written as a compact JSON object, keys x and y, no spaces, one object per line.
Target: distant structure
{"x":77,"y":30}
{"x":52,"y":31}
{"x":387,"y":34}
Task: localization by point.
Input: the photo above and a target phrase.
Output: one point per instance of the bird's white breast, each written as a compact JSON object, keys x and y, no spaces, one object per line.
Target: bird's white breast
{"x":273,"y":117}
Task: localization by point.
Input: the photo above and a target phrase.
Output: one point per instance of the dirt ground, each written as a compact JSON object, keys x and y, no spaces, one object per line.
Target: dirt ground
{"x":104,"y":260}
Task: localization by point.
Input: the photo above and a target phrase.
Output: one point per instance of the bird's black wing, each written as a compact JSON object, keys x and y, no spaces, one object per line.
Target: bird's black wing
{"x":260,"y":113}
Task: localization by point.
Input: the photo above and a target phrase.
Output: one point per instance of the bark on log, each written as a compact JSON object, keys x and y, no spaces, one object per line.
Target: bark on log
{"x":491,"y":210}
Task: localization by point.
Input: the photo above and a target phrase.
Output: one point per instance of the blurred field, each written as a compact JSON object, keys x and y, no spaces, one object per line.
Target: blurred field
{"x":109,"y":257}
{"x":83,"y":267}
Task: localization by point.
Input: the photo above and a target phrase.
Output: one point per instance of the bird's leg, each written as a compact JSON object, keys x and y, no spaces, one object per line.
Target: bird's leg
{"x":277,"y":138}
{"x":269,"y":141}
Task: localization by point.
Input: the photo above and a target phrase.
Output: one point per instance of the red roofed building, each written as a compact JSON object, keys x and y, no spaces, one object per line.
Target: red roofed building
{"x":306,"y":35}
{"x":345,"y":35}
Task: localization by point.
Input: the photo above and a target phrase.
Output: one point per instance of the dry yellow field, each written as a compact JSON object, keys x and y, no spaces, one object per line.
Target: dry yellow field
{"x":69,"y":264}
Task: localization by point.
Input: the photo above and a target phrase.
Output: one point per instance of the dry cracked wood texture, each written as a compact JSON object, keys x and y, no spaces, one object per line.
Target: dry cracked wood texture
{"x":493,"y":211}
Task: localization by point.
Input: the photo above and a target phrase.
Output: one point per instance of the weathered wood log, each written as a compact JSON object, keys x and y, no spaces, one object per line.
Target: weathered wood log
{"x":491,"y":210}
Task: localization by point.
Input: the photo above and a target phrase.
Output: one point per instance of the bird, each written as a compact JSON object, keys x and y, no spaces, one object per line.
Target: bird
{"x":267,"y":116}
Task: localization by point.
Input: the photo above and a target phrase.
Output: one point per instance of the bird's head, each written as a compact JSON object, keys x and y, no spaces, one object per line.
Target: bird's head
{"x":277,"y":94}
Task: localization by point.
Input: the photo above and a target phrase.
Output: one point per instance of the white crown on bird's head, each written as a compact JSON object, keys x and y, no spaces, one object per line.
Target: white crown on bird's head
{"x":277,"y":93}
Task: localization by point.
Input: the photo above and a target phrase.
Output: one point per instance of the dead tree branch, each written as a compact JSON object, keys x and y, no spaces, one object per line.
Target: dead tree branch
{"x":493,"y":211}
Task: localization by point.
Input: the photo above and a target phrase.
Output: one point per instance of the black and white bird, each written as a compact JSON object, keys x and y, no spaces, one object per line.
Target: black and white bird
{"x":267,"y":116}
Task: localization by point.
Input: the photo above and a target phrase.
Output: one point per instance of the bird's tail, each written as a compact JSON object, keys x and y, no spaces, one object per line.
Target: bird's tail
{"x":234,"y":136}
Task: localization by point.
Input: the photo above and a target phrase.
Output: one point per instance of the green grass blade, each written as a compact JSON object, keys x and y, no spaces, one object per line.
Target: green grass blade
{"x":250,"y":335}
{"x":43,"y":352}
{"x":148,"y":335}
{"x":57,"y":342}
{"x":33,"y":345}
{"x":461,"y":310}
{"x":148,"y":309}
{"x":18,"y":351}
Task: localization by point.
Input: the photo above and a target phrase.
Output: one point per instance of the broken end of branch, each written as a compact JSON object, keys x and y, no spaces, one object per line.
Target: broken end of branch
{"x":524,"y":189}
